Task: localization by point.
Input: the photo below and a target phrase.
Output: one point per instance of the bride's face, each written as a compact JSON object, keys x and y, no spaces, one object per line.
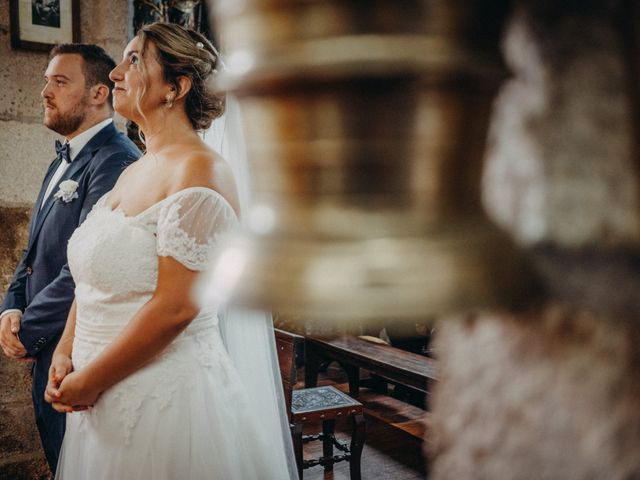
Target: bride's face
{"x":139,"y":82}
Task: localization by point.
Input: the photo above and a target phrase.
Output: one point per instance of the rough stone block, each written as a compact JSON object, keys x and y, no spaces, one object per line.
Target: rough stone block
{"x":22,"y":77}
{"x":16,"y":380}
{"x":25,"y":163}
{"x":106,"y":24}
{"x":4,"y":15}
{"x":18,"y":432}
{"x":13,"y":238}
{"x":24,"y":467}
{"x":15,"y":222}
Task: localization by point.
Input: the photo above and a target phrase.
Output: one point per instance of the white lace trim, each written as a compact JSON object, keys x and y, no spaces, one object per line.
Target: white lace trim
{"x":174,"y":242}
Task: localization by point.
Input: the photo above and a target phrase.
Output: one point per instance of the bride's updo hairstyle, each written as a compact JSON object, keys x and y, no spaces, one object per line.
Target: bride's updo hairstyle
{"x":185,"y":52}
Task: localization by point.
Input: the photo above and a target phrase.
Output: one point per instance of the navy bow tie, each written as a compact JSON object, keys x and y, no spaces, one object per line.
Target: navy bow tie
{"x":62,"y":151}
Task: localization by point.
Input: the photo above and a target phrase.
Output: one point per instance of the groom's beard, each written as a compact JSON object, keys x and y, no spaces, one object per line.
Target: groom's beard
{"x":68,"y":122}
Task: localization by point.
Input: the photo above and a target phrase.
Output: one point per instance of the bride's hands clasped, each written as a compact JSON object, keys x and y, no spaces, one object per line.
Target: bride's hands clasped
{"x":67,"y":390}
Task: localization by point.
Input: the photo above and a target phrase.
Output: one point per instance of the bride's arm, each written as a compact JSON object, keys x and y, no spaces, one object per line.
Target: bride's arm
{"x":61,"y":364}
{"x":151,"y":330}
{"x":65,"y":344}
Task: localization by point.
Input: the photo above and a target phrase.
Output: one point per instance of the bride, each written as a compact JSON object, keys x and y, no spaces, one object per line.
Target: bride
{"x":141,"y":368}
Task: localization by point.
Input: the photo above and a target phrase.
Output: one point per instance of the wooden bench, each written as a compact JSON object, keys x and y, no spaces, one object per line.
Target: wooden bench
{"x":383,"y":361}
{"x":393,"y":412}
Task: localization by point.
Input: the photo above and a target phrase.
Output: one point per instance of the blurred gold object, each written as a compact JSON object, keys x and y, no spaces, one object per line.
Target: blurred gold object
{"x":366,"y":124}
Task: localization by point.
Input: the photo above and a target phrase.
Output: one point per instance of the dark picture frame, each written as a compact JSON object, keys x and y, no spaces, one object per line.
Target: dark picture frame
{"x":40,"y":24}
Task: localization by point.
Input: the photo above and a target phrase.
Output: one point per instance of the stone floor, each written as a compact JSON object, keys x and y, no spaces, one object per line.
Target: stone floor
{"x":388,"y":454}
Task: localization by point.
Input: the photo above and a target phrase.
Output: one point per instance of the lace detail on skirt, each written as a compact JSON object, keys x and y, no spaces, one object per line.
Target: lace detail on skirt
{"x":156,"y":386}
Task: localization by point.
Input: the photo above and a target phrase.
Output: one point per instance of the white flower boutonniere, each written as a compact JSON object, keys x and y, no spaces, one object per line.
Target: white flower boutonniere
{"x":67,"y":191}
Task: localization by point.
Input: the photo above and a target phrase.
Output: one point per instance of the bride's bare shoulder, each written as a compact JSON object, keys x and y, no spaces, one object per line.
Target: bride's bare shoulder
{"x":202,"y":167}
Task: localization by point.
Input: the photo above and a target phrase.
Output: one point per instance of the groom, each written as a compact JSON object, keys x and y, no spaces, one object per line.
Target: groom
{"x":77,"y":105}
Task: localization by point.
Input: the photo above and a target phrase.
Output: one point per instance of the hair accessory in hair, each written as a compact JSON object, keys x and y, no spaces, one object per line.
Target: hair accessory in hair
{"x":200,"y":45}
{"x":219,"y":58}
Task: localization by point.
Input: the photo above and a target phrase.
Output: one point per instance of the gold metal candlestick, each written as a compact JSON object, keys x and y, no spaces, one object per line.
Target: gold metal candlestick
{"x":365,"y":124}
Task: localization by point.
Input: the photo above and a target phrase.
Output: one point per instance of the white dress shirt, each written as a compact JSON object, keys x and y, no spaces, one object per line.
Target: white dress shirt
{"x":76,"y":144}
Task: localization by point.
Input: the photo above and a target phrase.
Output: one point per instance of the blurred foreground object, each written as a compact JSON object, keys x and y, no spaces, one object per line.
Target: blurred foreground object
{"x":366,"y":126}
{"x":553,"y":392}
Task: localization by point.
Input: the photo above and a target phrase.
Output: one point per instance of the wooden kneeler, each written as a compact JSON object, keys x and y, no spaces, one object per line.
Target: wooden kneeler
{"x":319,"y":404}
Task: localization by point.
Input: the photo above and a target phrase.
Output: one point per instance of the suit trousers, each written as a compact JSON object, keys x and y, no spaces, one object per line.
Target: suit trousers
{"x":51,"y":424}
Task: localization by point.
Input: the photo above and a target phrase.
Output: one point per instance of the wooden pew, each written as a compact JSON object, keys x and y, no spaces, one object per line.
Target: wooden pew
{"x":353,"y":353}
{"x":383,"y":362}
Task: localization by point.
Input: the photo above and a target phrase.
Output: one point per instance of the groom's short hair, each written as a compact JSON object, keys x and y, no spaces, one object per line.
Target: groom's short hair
{"x":96,"y":66}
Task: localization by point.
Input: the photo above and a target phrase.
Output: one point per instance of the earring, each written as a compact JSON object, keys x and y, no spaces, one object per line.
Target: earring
{"x":169,"y":101}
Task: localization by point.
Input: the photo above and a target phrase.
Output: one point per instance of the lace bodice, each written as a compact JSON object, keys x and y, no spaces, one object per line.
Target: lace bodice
{"x":114,"y":258}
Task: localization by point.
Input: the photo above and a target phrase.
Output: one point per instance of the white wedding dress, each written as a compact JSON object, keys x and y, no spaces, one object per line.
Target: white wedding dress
{"x":185,"y":415}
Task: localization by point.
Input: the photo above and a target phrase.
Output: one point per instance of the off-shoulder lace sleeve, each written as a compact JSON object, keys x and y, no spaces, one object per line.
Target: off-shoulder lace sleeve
{"x":189,"y":224}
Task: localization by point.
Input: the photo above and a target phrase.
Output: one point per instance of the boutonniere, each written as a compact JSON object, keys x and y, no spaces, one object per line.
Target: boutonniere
{"x":67,"y":191}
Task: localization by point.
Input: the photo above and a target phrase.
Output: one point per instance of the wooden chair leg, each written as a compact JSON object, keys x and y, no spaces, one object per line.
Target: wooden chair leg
{"x":328,"y":427}
{"x":357,"y":443}
{"x":353,"y":373}
{"x":296,"y":434}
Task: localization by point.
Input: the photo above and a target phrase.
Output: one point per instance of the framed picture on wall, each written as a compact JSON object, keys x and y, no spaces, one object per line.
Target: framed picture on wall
{"x":40,"y":24}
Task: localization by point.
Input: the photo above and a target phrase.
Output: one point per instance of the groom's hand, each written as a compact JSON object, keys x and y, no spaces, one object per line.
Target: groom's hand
{"x":9,"y":328}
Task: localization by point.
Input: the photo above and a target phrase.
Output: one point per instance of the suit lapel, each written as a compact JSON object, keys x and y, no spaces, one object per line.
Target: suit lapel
{"x":53,"y":166}
{"x":76,"y":167}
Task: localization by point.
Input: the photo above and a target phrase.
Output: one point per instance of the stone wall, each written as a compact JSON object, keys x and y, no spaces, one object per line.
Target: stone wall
{"x":26,"y":148}
{"x":553,"y":391}
{"x":20,"y":453}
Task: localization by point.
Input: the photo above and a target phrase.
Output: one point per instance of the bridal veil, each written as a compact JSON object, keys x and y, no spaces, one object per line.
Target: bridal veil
{"x":248,"y":334}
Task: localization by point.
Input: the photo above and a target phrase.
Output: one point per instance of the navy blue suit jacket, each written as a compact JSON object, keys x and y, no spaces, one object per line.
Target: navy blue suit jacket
{"x":42,"y":287}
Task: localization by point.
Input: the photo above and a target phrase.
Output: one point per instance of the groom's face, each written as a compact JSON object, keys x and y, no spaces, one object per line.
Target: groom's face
{"x":65,"y":94}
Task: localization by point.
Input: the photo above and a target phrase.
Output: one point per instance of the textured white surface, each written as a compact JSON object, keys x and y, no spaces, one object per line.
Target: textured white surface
{"x":547,"y":395}
{"x":558,"y":166}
